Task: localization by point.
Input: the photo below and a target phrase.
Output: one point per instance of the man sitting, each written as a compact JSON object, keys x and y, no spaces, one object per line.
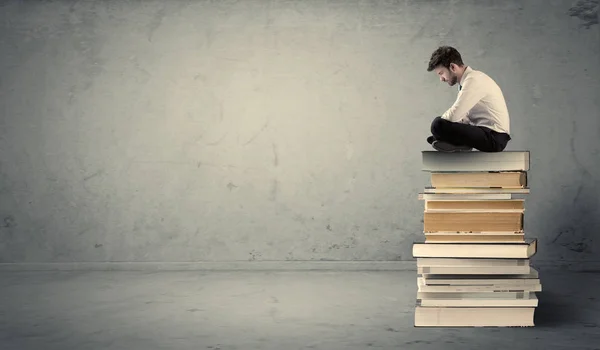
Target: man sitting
{"x":478,"y":118}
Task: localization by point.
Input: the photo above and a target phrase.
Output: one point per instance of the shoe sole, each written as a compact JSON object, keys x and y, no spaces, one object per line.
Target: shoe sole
{"x":449,"y":148}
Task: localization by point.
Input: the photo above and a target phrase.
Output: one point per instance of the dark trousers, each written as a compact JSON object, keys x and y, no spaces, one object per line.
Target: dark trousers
{"x":479,"y":137}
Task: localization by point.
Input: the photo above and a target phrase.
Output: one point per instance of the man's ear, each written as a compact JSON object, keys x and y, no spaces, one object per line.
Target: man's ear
{"x":453,"y":67}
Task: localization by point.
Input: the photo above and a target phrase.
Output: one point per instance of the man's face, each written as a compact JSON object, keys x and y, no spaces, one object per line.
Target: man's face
{"x":447,"y":75}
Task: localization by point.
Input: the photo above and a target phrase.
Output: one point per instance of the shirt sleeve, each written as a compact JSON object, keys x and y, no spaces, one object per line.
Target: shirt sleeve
{"x":468,"y":96}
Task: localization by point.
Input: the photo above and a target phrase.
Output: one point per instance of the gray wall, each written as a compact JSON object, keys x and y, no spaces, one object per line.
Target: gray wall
{"x":275,"y":130}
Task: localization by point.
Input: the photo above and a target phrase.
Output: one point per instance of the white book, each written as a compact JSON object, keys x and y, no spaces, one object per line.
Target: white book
{"x":424,"y":262}
{"x":472,"y":190}
{"x":434,"y":161}
{"x":474,"y":316}
{"x":513,"y":250}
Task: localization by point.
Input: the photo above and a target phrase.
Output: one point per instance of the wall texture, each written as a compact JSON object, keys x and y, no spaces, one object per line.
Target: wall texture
{"x":276,"y":130}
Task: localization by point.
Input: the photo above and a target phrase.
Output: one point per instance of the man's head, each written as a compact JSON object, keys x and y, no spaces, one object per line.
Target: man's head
{"x":447,"y":64}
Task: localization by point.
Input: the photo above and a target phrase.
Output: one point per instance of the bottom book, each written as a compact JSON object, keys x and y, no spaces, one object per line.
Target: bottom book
{"x":474,"y":316}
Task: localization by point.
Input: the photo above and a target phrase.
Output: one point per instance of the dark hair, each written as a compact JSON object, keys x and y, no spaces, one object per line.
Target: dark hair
{"x":443,"y":56}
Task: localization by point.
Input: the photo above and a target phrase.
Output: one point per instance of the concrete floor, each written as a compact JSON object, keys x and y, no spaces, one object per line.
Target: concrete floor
{"x":267,"y":310}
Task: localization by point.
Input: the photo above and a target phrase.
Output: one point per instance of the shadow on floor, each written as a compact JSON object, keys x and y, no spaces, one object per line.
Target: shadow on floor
{"x":556,"y":310}
{"x":552,"y":311}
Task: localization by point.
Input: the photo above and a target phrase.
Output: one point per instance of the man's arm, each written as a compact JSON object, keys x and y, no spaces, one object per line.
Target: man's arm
{"x":467,"y":97}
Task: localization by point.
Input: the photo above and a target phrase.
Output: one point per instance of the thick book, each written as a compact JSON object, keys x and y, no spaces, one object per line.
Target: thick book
{"x":473,"y":222}
{"x":474,"y":316}
{"x":512,"y":250}
{"x":434,"y":161}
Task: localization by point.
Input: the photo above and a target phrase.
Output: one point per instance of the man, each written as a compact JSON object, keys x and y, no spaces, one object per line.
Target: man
{"x":478,"y":118}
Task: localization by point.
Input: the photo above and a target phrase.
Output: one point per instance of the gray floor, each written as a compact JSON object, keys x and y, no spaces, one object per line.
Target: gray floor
{"x":267,"y":310}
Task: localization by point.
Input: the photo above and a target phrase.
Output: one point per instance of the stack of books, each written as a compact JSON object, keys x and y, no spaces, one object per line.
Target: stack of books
{"x":473,"y":266}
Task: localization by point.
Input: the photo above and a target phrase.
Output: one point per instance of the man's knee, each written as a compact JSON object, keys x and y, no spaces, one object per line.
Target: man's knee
{"x":500,"y":142}
{"x":502,"y":146}
{"x":437,"y":125}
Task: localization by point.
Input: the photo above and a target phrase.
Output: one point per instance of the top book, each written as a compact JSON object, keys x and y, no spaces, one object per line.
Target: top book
{"x":434,"y":161}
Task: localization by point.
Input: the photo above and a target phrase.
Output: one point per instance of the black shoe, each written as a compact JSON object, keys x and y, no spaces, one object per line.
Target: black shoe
{"x":448,"y":147}
{"x":430,"y":139}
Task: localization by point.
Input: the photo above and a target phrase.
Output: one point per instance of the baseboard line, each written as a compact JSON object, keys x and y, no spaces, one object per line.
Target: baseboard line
{"x":405,"y":265}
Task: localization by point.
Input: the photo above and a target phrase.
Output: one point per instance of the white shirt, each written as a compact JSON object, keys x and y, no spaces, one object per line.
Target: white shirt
{"x":480,"y":102}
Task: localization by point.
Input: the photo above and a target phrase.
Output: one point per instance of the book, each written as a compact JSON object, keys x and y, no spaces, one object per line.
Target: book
{"x":454,"y":266}
{"x":479,"y":179}
{"x":435,"y":221}
{"x":449,"y":283}
{"x":434,"y":161}
{"x":475,"y":270}
{"x":476,"y":190}
{"x":474,"y":316}
{"x":471,"y":262}
{"x":473,"y":238}
{"x":464,"y":196}
{"x":477,"y":299}
{"x":514,"y":250}
{"x":496,"y":288}
{"x":458,"y":205}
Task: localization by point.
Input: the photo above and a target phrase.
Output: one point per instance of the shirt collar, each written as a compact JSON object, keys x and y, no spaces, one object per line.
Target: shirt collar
{"x":464,"y":76}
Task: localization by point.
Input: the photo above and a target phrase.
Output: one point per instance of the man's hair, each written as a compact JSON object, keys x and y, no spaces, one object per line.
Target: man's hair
{"x":443,"y":56}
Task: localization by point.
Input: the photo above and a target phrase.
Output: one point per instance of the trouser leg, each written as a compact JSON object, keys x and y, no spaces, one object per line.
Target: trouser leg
{"x":478,"y":137}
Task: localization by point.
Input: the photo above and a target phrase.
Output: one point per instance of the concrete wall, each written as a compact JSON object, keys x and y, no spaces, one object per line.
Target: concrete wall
{"x":275,"y":130}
